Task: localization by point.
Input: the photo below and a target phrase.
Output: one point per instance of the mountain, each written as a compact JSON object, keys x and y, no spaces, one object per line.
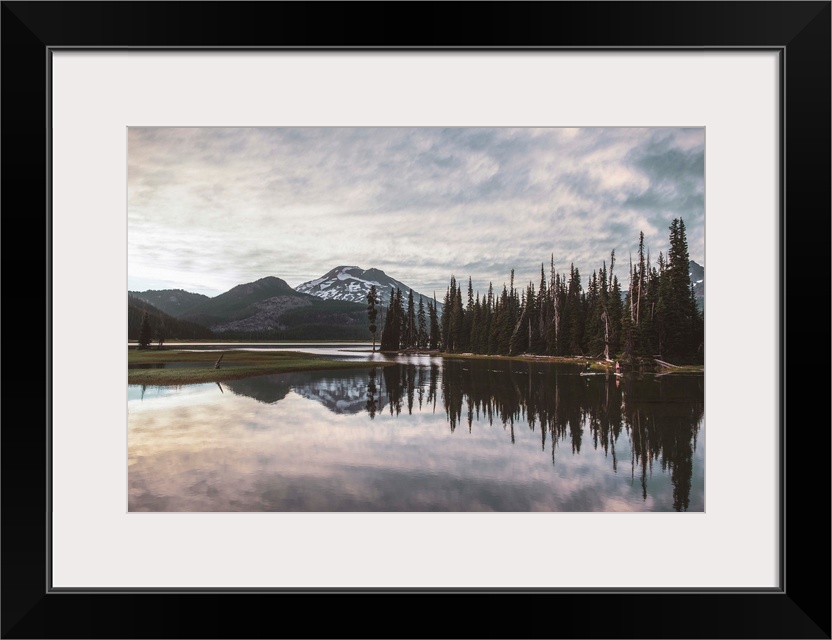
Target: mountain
{"x":697,"y":278}
{"x":175,"y":329}
{"x":174,"y":302}
{"x":270,"y":309}
{"x":353,"y":284}
{"x":229,"y":305}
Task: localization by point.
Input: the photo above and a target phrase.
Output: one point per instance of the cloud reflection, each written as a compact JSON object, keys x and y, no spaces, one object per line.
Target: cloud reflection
{"x":233,"y":452}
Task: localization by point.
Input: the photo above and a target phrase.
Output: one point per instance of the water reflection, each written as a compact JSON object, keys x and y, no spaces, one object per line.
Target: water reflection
{"x":660,"y":416}
{"x":609,"y":443}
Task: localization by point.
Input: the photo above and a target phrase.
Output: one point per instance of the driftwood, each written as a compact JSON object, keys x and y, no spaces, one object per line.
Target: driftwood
{"x":665,"y":364}
{"x":217,"y":363}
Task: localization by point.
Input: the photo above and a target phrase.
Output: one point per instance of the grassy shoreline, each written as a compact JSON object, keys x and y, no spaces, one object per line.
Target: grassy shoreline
{"x":209,"y":341}
{"x":594,"y":364}
{"x":195,"y":367}
{"x":198,"y":366}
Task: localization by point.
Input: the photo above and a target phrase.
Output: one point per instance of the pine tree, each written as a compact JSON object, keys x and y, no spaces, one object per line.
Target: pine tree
{"x":144,"y":331}
{"x":401,"y":318}
{"x":543,"y":315}
{"x":455,"y":326}
{"x":161,"y":332}
{"x":388,"y":333}
{"x":465,"y":336}
{"x":372,"y":312}
{"x":435,"y":337}
{"x":504,"y":324}
{"x":554,"y":343}
{"x":391,"y":335}
{"x":574,"y":312}
{"x":681,"y":313}
{"x":422,"y":339}
{"x":450,"y":292}
{"x":476,"y":326}
{"x":412,"y":328}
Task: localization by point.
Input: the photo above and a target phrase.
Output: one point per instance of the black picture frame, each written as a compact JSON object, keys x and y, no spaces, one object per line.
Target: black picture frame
{"x":799,"y":31}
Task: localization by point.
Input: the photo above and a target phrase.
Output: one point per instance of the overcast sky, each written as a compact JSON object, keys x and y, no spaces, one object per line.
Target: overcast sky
{"x":210,"y":208}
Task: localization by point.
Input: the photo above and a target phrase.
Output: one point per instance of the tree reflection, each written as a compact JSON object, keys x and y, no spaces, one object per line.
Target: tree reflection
{"x":658,"y":418}
{"x":372,"y":403}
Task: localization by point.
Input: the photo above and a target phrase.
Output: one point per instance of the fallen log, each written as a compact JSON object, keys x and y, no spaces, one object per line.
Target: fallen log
{"x":666,"y":364}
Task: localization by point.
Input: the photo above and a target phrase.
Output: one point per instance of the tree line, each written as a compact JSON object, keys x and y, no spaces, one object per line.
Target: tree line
{"x":147,"y":324}
{"x":655,"y":316}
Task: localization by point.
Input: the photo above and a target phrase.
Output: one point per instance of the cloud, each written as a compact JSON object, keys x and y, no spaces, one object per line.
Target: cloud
{"x":224,"y":206}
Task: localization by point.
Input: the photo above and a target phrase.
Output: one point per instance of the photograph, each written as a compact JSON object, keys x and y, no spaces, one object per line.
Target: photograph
{"x":416,"y":319}
{"x":414,"y":310}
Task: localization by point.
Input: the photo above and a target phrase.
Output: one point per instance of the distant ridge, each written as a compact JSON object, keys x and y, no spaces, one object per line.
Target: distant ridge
{"x":174,"y":302}
{"x":175,"y":328}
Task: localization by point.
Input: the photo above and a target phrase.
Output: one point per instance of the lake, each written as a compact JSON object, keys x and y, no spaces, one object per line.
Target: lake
{"x":424,"y":434}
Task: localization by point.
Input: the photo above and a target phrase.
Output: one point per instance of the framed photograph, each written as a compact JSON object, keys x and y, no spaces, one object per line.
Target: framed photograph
{"x":249,"y":184}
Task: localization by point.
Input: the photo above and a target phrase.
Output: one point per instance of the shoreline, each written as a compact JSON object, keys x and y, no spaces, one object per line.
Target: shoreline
{"x":150,"y":365}
{"x":595,"y":364}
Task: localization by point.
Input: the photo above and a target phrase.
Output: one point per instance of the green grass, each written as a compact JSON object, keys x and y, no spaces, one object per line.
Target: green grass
{"x":221,"y":339}
{"x":234,"y":365}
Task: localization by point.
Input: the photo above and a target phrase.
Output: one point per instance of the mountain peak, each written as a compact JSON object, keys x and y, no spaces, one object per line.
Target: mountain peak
{"x":353,"y":284}
{"x":268,"y":281}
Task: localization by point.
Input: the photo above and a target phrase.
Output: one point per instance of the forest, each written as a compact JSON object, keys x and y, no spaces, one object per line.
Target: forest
{"x":655,"y":316}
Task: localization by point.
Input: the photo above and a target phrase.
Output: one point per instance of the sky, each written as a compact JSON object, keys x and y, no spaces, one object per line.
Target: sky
{"x":211,"y":208}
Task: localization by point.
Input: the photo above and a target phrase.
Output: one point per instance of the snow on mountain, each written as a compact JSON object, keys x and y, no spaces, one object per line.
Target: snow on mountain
{"x":353,"y":284}
{"x":697,"y":278}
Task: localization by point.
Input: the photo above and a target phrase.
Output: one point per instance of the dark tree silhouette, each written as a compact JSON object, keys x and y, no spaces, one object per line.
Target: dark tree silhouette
{"x":144,"y":331}
{"x":372,"y":312}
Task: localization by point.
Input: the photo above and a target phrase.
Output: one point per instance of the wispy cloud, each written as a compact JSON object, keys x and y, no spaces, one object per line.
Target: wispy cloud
{"x":210,"y":208}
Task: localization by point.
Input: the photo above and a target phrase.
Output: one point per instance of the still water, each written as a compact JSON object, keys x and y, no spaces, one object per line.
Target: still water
{"x":424,"y":434}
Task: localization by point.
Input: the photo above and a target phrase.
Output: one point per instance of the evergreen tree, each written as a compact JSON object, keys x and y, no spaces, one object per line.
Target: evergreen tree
{"x":144,"y":331}
{"x":615,"y":309}
{"x":401,"y":318}
{"x":422,"y":339}
{"x":554,"y":343}
{"x":519,"y":342}
{"x":455,"y":325}
{"x":435,"y":337}
{"x":504,"y":324}
{"x":574,"y":313}
{"x":412,"y":328}
{"x":593,"y":329}
{"x":487,"y":342}
{"x":446,"y":313}
{"x":161,"y":331}
{"x":543,"y":315}
{"x":474,"y":337}
{"x":681,"y":314}
{"x":392,"y":333}
{"x":465,"y":337}
{"x":372,"y":312}
{"x":387,"y":333}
